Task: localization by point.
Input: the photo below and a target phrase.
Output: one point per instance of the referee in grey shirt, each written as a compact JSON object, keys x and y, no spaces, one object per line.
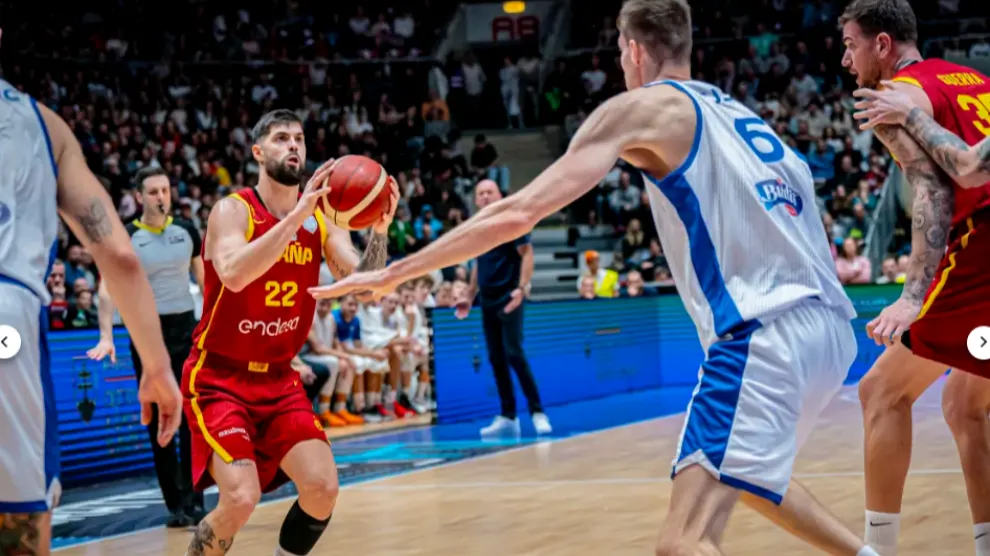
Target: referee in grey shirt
{"x":169,"y":251}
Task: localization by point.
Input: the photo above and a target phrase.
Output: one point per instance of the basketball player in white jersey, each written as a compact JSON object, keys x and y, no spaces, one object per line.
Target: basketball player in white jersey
{"x":735,"y":210}
{"x":43,"y":174}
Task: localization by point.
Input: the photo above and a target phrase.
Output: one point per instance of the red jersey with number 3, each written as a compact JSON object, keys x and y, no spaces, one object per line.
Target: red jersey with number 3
{"x":960,"y":99}
{"x":268,"y":320}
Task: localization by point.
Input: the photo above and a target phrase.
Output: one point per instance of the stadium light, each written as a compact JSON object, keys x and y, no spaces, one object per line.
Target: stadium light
{"x":514,"y":7}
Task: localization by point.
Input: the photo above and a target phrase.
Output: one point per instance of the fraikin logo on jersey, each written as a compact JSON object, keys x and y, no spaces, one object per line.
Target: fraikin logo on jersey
{"x":776,"y":192}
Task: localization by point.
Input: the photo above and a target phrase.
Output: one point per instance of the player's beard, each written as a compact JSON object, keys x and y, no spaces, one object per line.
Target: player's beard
{"x":282,"y":173}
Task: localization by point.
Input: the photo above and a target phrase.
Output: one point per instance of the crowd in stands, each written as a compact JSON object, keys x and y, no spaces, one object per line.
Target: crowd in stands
{"x":179,"y":86}
{"x":783,"y":61}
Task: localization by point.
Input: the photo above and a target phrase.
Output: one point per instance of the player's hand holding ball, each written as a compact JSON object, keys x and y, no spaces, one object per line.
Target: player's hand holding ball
{"x":362,"y":195}
{"x":316,"y":189}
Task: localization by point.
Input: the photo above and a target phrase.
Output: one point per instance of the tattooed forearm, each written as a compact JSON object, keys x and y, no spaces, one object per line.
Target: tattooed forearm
{"x":376,"y":254}
{"x":20,"y":533}
{"x":954,"y":155}
{"x":95,"y":221}
{"x":205,"y":542}
{"x":932,"y":210}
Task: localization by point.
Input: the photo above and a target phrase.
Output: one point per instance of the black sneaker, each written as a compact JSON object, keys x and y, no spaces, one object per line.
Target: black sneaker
{"x":178,"y":520}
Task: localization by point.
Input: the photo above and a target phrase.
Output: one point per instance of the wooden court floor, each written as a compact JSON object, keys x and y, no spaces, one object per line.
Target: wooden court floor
{"x":603,"y":493}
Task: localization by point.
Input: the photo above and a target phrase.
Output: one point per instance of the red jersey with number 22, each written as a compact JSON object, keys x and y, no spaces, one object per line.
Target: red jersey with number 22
{"x":268,"y":320}
{"x":960,"y":99}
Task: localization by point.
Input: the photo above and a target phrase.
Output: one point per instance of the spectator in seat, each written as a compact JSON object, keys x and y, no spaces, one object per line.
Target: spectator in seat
{"x":634,"y":240}
{"x":412,"y":327}
{"x":858,"y":224}
{"x":484,"y":158}
{"x":77,"y":265}
{"x":889,"y":273}
{"x":635,"y":286}
{"x":332,"y":369}
{"x":369,"y":364}
{"x":380,"y":326}
{"x":852,"y":267}
{"x":402,"y":237}
{"x":83,"y":315}
{"x":586,"y":287}
{"x":821,"y":160}
{"x":605,"y":281}
{"x":654,"y":266}
{"x":625,"y":199}
{"x":427,"y":221}
{"x":445,"y":294}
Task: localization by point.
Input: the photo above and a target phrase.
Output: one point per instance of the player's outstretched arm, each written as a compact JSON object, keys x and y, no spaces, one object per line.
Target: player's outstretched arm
{"x":239,"y":259}
{"x":90,"y":214}
{"x":623,"y":122}
{"x":967,"y":166}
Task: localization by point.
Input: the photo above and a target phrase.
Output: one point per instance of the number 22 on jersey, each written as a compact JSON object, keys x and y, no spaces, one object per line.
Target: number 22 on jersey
{"x":981,"y":105}
{"x":280,"y":294}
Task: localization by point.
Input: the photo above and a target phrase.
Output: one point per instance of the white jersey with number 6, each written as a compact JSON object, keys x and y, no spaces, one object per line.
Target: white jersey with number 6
{"x":750,"y":257}
{"x":738,"y":221}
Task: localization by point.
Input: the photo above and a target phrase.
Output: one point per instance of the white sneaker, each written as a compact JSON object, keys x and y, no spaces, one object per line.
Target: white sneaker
{"x":501,"y":425}
{"x":541,"y":423}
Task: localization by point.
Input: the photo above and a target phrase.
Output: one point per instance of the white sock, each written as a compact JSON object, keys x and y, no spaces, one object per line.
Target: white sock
{"x":867,"y":551}
{"x":981,"y":533}
{"x":881,"y":532}
{"x":279,"y":551}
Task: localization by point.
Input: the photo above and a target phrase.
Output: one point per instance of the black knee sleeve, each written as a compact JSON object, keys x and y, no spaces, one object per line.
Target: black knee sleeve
{"x":300,"y":531}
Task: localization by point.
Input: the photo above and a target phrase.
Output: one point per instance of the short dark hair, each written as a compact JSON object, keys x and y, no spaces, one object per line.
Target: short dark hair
{"x":894,"y":17}
{"x":148,"y":172}
{"x":271,"y":119}
{"x":663,"y":26}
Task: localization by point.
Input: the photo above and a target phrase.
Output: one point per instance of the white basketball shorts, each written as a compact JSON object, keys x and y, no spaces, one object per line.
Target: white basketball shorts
{"x":759,"y":395}
{"x":29,"y":460}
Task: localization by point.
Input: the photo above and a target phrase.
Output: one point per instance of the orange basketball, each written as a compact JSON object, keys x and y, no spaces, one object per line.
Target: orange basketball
{"x":359,"y":193}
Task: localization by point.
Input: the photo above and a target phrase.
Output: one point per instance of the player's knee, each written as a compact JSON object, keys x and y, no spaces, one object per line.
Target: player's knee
{"x":240,"y":501}
{"x":880,"y":391}
{"x":963,"y":405}
{"x":320,"y":488}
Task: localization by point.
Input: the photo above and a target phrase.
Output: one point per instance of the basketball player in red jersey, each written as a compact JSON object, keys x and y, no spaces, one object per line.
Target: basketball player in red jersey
{"x":255,"y":426}
{"x":947,"y":291}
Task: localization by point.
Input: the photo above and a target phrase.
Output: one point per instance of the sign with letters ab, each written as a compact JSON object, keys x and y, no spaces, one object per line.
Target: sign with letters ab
{"x":493,"y":23}
{"x":581,"y":350}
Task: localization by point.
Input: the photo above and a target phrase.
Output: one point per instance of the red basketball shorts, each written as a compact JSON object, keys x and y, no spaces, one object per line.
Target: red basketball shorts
{"x":240,"y":414}
{"x":958,"y":300}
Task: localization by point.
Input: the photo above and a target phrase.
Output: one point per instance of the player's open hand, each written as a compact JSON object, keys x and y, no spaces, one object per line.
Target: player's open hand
{"x":158,"y":388}
{"x":316,"y":188}
{"x":885,"y":106}
{"x":375,"y":284}
{"x":893,"y":321}
{"x":381,"y":227}
{"x":103,"y":349}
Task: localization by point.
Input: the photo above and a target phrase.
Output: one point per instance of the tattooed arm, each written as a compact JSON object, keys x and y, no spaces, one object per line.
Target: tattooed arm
{"x":968,"y":166}
{"x":902,"y":105}
{"x":932,"y":209}
{"x":90,"y":214}
{"x":344,"y":259}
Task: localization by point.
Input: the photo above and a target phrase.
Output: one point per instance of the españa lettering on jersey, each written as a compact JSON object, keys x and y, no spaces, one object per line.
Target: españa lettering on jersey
{"x":269,"y":320}
{"x":960,"y":100}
